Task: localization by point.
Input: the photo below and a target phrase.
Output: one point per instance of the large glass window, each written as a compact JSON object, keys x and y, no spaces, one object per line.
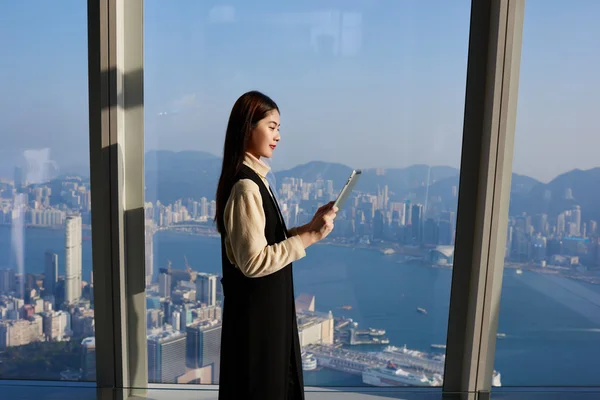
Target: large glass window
{"x":46,"y":282}
{"x":549,"y":326}
{"x":372,"y":85}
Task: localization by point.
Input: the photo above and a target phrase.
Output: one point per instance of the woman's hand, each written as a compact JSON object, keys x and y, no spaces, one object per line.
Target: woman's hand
{"x":320,"y":226}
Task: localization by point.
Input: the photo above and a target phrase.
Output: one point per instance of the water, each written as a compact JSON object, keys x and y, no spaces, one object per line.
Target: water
{"x":552,"y":323}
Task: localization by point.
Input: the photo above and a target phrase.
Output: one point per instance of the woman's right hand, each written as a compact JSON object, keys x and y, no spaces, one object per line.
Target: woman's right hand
{"x":320,"y":226}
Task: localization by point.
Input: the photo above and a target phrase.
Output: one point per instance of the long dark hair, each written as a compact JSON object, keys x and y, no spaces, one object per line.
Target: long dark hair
{"x":247,"y":111}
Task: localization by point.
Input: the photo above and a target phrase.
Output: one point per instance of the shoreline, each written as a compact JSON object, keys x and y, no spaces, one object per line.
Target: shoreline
{"x":403,"y":258}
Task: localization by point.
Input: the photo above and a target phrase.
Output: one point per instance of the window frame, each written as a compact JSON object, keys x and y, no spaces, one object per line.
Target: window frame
{"x":116,"y":107}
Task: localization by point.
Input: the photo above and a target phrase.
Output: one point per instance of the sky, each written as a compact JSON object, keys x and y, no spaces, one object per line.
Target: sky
{"x":366,"y":83}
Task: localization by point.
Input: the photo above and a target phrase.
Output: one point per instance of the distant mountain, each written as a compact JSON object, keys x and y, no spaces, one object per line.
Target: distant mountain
{"x":521,"y":185}
{"x":402,"y":181}
{"x":314,"y":170}
{"x":576,"y":187}
{"x":399,"y":180}
{"x":174,"y":175}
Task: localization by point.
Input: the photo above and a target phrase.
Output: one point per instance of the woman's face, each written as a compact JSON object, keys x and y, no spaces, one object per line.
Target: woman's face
{"x":264,"y":137}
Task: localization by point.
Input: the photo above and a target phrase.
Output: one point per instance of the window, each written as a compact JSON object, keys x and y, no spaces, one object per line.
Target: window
{"x":46,"y":282}
{"x":377,"y":86}
{"x":550,"y":309}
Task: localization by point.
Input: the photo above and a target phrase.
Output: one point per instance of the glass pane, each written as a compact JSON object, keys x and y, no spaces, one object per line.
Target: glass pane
{"x":46,"y":283}
{"x":549,"y":326}
{"x":360,"y":84}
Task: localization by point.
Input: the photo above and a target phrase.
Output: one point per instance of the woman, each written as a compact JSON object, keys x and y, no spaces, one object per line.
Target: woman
{"x":260,"y":349}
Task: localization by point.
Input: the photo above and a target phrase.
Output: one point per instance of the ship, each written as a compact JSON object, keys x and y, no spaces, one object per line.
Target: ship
{"x":309,"y":362}
{"x":500,"y":335}
{"x":496,"y":381}
{"x":519,"y":271}
{"x":392,"y":375}
{"x":421,"y":310}
{"x":346,"y":307}
{"x":376,"y":332}
{"x":371,"y":332}
{"x":377,"y":340}
{"x":438,"y":346}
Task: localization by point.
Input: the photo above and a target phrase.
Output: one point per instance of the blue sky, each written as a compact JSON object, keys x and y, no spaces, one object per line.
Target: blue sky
{"x":363,"y":82}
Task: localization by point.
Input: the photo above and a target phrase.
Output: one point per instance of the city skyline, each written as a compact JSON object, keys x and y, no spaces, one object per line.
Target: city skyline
{"x":184,"y":303}
{"x":371,"y":84}
{"x":276,"y":169}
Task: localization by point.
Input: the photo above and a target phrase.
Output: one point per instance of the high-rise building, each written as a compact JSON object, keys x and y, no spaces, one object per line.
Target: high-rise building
{"x":149,"y":256}
{"x":408,"y":213}
{"x":220,"y":294}
{"x":203,"y":347}
{"x":164,"y":282}
{"x":576,"y":219}
{"x":21,"y":332}
{"x":430,"y":232}
{"x":206,"y":288}
{"x":561,"y":223}
{"x":204,"y":207}
{"x":592,"y":227}
{"x":329,"y":187}
{"x":445,"y":233}
{"x":50,"y":273}
{"x":540,"y":221}
{"x":166,"y":356}
{"x":417,"y":221}
{"x":7,"y":280}
{"x":19,"y":177}
{"x":378,"y":225}
{"x":88,"y":359}
{"x":73,"y":259}
{"x":56,"y":325}
{"x":213,"y":209}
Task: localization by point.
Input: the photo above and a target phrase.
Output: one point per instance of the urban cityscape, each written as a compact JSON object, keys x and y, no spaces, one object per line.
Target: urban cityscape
{"x":184,"y":305}
{"x":377,"y":85}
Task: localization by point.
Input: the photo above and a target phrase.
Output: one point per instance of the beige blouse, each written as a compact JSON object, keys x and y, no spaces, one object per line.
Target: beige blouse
{"x":245,"y":241}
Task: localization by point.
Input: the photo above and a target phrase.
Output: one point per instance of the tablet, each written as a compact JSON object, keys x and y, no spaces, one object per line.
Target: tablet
{"x":347,"y":189}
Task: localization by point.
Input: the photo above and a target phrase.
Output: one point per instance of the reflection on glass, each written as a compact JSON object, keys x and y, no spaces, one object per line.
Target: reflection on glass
{"x":372,"y":85}
{"x":46,"y":283}
{"x":549,"y":325}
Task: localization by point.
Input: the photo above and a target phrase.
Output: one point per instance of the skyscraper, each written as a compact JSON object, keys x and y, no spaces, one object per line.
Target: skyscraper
{"x":164,"y":282}
{"x":88,"y":359}
{"x":417,"y":221}
{"x":166,"y":356}
{"x":576,"y":219}
{"x":206,"y":288}
{"x":7,"y":280}
{"x":203,"y":347}
{"x":73,"y":259}
{"x":149,"y":249}
{"x":50,"y":273}
{"x":19,"y":178}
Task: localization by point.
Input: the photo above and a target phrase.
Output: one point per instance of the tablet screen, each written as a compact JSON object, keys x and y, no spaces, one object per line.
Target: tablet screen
{"x":347,"y":189}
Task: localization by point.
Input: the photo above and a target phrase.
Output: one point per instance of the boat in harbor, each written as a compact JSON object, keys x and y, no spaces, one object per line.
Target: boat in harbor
{"x":519,"y":271}
{"x":309,"y":362}
{"x":377,"y":340}
{"x":438,"y":346}
{"x":376,"y":332}
{"x":421,"y":310}
{"x":500,"y":335}
{"x":392,"y":375}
